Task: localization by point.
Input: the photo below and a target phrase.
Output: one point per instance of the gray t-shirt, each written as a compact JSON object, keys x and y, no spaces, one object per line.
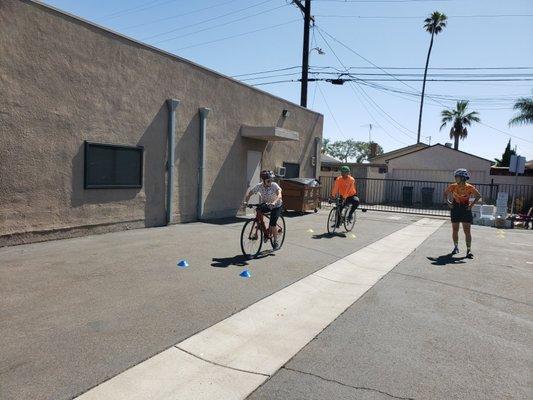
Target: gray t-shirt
{"x":268,"y":193}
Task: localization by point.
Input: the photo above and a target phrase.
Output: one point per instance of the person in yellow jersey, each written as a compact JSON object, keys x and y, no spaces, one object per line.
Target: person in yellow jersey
{"x":459,"y":197}
{"x":345,"y":187}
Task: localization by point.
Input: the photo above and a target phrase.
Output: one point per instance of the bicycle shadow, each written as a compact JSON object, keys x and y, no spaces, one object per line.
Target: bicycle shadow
{"x":238,"y":260}
{"x":446,"y":259}
{"x":329,"y":235}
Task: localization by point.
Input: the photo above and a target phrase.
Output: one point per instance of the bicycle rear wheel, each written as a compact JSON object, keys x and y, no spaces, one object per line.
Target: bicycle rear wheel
{"x":348,"y":225}
{"x":332,"y":220}
{"x":251,"y":239}
{"x":281,"y":232}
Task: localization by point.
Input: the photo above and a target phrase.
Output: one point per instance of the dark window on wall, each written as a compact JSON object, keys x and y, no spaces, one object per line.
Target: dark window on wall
{"x":382,"y":170}
{"x":110,"y":166}
{"x":292,"y":170}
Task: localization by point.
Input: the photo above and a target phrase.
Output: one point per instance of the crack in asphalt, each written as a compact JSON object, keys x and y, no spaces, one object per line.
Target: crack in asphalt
{"x":350,"y":386}
{"x":464,"y":288}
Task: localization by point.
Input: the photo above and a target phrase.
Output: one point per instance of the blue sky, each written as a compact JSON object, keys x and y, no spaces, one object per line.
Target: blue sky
{"x":480,"y":34}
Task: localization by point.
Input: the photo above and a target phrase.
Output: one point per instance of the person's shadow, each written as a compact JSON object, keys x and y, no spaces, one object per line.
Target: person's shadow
{"x":238,"y":260}
{"x":446,"y":259}
{"x":329,"y":235}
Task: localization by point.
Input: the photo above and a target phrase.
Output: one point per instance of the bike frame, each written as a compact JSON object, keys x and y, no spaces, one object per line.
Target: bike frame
{"x":260,"y":220}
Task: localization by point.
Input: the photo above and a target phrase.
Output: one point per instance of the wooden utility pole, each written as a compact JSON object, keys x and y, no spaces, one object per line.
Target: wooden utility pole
{"x":306,"y":9}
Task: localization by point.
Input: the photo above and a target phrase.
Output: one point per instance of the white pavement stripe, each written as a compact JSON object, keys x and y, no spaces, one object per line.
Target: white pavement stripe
{"x":264,"y":336}
{"x":174,"y":374}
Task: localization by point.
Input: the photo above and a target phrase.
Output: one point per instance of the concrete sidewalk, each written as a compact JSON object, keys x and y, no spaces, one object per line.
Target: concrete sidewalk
{"x":79,"y":311}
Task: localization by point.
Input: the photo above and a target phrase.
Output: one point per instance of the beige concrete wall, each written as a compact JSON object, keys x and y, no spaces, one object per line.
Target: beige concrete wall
{"x":437,"y":163}
{"x":63,"y":81}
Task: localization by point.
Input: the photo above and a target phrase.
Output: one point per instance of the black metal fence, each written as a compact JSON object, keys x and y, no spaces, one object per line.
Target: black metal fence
{"x":423,"y":197}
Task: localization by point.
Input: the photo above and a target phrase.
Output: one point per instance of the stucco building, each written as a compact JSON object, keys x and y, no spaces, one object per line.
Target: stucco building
{"x":67,"y":87}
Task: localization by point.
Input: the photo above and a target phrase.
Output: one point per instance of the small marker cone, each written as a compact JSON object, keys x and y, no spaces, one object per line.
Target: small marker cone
{"x":245,"y":274}
{"x":310,"y":231}
{"x":183,"y":264}
{"x":353,"y":236}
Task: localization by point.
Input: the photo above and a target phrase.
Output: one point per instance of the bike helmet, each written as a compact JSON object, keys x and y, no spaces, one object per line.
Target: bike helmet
{"x":345,"y":168}
{"x":462,"y":173}
{"x":267,"y":175}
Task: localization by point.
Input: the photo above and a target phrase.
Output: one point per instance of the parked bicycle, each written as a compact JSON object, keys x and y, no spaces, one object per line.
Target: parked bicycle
{"x":338,"y":216}
{"x":255,"y":231}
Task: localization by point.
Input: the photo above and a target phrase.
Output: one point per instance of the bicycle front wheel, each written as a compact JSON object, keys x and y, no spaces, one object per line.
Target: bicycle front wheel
{"x":348,"y":225}
{"x":281,"y":232}
{"x":251,"y":239}
{"x":332,"y":220}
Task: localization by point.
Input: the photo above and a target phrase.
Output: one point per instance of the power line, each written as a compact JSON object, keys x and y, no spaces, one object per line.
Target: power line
{"x":268,"y":71}
{"x":179,"y":15}
{"x":383,"y":1}
{"x":132,"y":10}
{"x":422,"y":17}
{"x":275,"y":82}
{"x":362,"y":103}
{"x":219,"y":25}
{"x":386,"y":68}
{"x":489,"y":126}
{"x":331,"y":112}
{"x":429,"y":68}
{"x":269,"y":76}
{"x":210,"y":19}
{"x":239,"y":35}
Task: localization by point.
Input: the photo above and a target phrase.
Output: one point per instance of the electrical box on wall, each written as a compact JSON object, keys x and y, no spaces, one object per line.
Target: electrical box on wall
{"x":280,"y":171}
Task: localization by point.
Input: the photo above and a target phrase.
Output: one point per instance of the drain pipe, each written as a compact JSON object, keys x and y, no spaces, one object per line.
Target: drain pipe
{"x":172,"y":104}
{"x":201,"y":166}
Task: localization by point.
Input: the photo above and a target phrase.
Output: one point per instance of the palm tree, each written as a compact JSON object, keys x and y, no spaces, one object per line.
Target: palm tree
{"x":459,"y":119}
{"x":434,"y":25}
{"x":524,"y":106}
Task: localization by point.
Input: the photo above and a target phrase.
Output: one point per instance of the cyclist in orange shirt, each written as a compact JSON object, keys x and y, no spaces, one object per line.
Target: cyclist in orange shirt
{"x":345,"y":187}
{"x":461,"y":208}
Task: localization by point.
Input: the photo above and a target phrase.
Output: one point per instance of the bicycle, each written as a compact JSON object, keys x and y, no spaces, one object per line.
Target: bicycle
{"x":336,"y":217}
{"x":255,"y":232}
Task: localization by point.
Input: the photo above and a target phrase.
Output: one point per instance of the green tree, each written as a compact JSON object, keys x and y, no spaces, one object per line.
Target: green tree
{"x":524,"y":106}
{"x":434,"y":24}
{"x":505,"y":161}
{"x":364,"y":149}
{"x":459,"y":119}
{"x":326,"y":143}
{"x":343,"y":150}
{"x":347,"y":150}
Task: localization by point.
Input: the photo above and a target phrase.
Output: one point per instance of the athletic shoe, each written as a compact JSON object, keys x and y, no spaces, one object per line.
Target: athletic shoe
{"x":350,"y":220}
{"x":275,"y":245}
{"x":455,"y":250}
{"x":469,"y":254}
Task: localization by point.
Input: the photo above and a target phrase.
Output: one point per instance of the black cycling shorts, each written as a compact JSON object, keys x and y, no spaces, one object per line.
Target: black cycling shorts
{"x":274,"y":214}
{"x":461,"y":213}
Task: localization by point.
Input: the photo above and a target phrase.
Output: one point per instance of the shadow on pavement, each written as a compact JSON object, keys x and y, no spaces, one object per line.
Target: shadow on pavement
{"x":238,"y":260}
{"x":446,"y":259}
{"x":226,"y":221}
{"x":295,"y":214}
{"x":329,"y":235}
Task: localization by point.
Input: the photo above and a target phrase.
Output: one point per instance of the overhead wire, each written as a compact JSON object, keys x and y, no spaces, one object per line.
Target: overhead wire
{"x":395,"y":78}
{"x":180,"y":28}
{"x":239,"y":35}
{"x":391,"y":120}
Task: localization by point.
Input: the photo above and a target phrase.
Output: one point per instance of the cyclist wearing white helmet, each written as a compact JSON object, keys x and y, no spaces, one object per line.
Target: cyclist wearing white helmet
{"x":458,"y":196}
{"x":270,"y":193}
